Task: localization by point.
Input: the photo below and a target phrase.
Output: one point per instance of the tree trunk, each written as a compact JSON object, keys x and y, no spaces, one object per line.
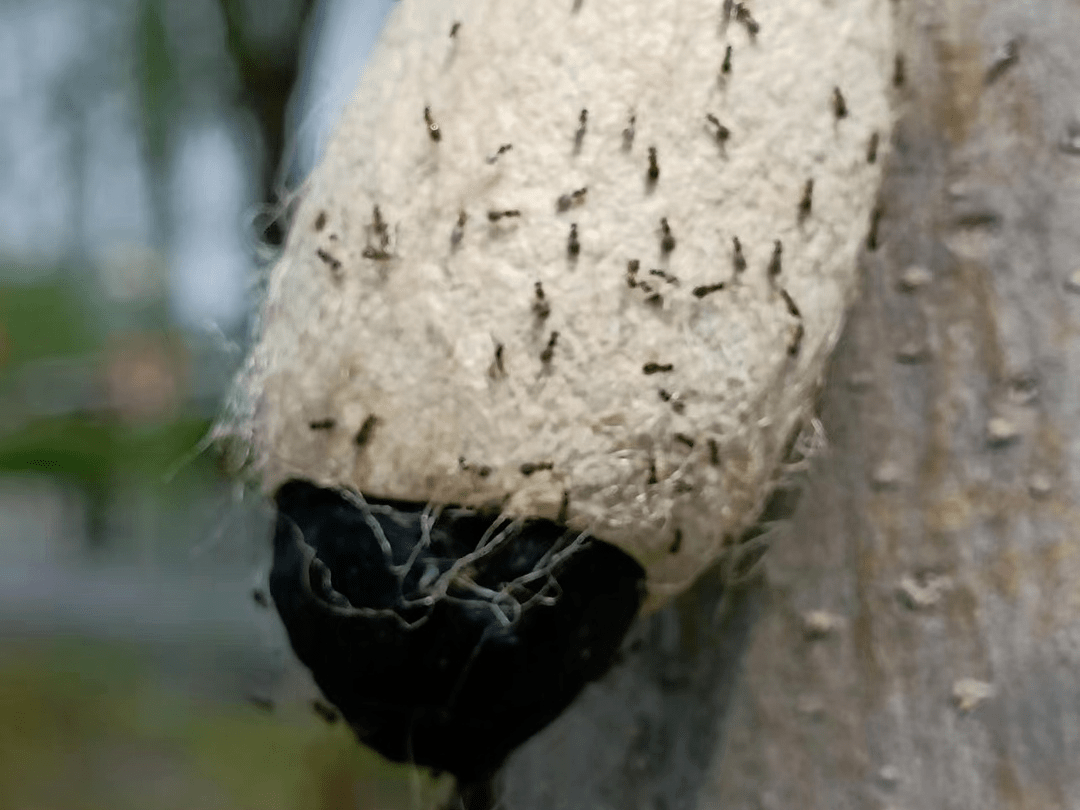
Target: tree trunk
{"x":916,"y":639}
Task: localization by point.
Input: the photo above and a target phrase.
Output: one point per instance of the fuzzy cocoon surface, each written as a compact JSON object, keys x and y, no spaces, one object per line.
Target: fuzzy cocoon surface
{"x":503,"y":286}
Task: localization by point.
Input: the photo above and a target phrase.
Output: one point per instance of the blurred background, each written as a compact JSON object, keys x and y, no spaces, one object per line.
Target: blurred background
{"x":148,"y":150}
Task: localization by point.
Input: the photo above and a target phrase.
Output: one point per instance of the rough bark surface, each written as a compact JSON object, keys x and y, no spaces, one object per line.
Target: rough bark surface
{"x":915,"y":641}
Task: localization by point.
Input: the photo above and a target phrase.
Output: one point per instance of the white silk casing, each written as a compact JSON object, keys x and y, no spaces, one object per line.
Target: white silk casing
{"x":394,"y":352}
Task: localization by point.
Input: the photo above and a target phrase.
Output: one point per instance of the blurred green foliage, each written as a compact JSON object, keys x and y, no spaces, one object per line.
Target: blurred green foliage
{"x":90,"y":726}
{"x":157,"y":83}
{"x":99,"y":450}
{"x":89,"y":446}
{"x":43,"y":320}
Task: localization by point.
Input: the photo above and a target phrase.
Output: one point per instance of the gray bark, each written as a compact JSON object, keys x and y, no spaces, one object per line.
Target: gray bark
{"x":940,"y":530}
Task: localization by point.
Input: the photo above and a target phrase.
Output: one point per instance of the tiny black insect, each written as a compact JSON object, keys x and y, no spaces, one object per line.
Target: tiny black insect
{"x":579,"y":136}
{"x":325,"y":711}
{"x":541,"y":308}
{"x":807,"y":201}
{"x":502,"y":150}
{"x":720,"y":132}
{"x":654,"y":165}
{"x":573,"y":246}
{"x":328,"y":423}
{"x":320,"y":221}
{"x":567,"y":201}
{"x":495,"y":216}
{"x":652,"y":472}
{"x":875,"y":220}
{"x":872,"y":147}
{"x":652,"y":297}
{"x":458,"y":233}
{"x":667,"y":240}
{"x":433,"y":129}
{"x":738,"y":260}
{"x":742,"y":15}
{"x":792,"y":307}
{"x":839,"y":105}
{"x":670,"y":278}
{"x":684,"y":439}
{"x":261,"y":702}
{"x":714,"y":453}
{"x":632,"y":268}
{"x":378,"y":254}
{"x":363,"y":435}
{"x":379,"y":228}
{"x":666,"y":396}
{"x":549,"y":350}
{"x":657,"y":368}
{"x":725,"y":68}
{"x":899,"y":73}
{"x":796,"y":340}
{"x":628,"y":133}
{"x":480,"y":470}
{"x":455,"y":28}
{"x":498,"y":367}
{"x":331,"y":262}
{"x":676,"y":544}
{"x":1004,"y":58}
{"x":774,"y":262}
{"x":530,"y":467}
{"x":708,"y":289}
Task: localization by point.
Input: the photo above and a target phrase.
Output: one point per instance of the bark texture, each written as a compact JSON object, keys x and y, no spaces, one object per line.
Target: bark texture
{"x":915,"y":641}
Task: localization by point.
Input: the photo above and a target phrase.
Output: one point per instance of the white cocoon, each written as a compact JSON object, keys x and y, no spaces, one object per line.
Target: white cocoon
{"x":405,"y":353}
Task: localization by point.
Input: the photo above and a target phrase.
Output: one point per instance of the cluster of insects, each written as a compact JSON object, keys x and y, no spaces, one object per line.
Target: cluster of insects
{"x":702,"y":324}
{"x":379,"y":245}
{"x":652,"y":297}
